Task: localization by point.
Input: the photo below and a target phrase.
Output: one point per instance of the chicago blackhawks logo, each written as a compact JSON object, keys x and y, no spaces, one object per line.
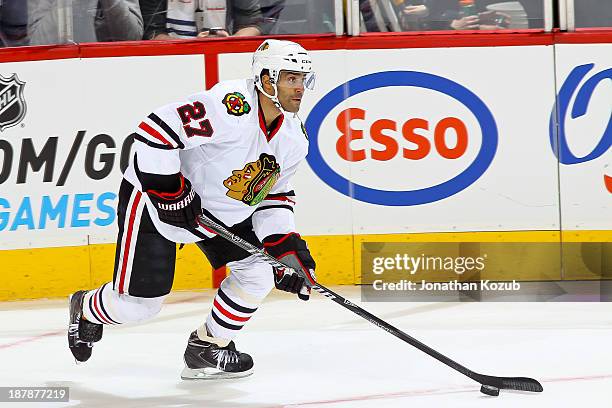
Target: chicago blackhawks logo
{"x":253,"y":183}
{"x":236,"y":104}
{"x":12,"y":103}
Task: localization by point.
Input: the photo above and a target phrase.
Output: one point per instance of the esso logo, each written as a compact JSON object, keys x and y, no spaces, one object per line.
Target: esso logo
{"x":373,"y":126}
{"x":412,"y":130}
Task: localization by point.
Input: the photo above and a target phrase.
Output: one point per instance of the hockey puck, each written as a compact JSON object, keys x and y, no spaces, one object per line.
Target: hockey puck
{"x":489,"y":390}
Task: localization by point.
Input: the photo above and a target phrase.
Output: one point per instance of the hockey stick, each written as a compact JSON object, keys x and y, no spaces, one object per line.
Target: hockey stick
{"x":490,"y":384}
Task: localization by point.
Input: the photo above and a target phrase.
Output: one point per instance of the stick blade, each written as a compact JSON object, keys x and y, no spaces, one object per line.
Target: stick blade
{"x":521,"y":384}
{"x":509,"y":383}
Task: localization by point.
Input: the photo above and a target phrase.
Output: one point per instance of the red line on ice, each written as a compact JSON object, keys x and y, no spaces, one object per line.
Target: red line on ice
{"x":63,"y":331}
{"x":30,"y":339}
{"x":432,"y":391}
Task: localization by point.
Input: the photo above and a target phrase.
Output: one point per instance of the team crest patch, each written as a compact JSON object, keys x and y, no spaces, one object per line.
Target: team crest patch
{"x":236,"y":104}
{"x":12,"y":102}
{"x":263,"y":47}
{"x":254,"y":181}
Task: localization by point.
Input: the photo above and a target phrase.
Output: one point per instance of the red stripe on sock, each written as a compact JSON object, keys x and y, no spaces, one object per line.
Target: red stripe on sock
{"x":99,"y":314}
{"x":229,"y":314}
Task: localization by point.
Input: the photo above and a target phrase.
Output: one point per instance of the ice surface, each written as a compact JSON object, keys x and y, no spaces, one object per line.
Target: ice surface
{"x":317,"y":354}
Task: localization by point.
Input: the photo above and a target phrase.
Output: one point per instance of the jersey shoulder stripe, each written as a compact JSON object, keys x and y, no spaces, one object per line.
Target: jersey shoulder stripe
{"x":169,"y":131}
{"x":146,"y":141}
{"x":149,"y":132}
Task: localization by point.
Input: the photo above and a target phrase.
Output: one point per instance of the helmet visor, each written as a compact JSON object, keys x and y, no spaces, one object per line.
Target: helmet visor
{"x":293,"y":79}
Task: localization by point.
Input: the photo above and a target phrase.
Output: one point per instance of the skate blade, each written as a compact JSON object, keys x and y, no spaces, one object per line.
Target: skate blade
{"x":210,"y":373}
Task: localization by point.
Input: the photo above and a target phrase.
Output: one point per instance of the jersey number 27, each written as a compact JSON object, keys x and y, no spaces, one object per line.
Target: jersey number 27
{"x":196,"y":111}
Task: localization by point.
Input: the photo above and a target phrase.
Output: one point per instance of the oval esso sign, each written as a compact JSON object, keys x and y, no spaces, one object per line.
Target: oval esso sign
{"x":382,"y":141}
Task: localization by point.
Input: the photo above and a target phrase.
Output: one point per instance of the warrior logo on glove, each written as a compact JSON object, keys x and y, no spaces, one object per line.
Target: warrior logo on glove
{"x":253,"y":183}
{"x":180,"y":204}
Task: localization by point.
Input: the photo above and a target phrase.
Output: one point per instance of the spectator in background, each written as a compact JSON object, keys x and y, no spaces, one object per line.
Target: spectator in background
{"x":367,"y":14}
{"x":112,"y":20}
{"x":534,"y":10}
{"x":464,"y":15}
{"x":593,"y":13}
{"x":172,"y":19}
{"x":412,"y":14}
{"x":408,"y":15}
{"x":13,"y":23}
{"x":271,"y":11}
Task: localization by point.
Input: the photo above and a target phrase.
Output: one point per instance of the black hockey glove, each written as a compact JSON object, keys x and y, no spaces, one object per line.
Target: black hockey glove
{"x":180,"y":208}
{"x":292,"y":250}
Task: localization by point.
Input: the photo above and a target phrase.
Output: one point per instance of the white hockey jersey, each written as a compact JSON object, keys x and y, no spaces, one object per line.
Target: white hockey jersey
{"x":218,"y":140}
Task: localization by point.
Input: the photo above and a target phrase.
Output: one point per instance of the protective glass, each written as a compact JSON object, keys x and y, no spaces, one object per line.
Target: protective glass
{"x":289,"y":79}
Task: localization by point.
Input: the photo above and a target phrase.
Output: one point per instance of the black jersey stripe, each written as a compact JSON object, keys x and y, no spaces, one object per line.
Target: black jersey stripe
{"x":157,"y":120}
{"x":287,"y":194}
{"x":146,"y":141}
{"x":269,"y":207}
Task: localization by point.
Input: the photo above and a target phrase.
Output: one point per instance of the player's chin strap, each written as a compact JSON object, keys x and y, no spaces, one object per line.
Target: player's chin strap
{"x":273,"y":98}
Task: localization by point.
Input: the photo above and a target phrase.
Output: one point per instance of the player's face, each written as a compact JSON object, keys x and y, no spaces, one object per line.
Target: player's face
{"x":291,"y":90}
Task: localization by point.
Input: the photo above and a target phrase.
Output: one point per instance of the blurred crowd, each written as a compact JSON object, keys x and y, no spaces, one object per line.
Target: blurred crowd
{"x":39,"y":22}
{"x":436,"y":15}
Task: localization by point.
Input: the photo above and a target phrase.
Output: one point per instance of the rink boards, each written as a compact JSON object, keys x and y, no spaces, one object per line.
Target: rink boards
{"x":470,"y":144}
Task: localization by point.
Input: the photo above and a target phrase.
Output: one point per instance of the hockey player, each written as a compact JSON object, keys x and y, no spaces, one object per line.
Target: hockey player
{"x":229,"y":153}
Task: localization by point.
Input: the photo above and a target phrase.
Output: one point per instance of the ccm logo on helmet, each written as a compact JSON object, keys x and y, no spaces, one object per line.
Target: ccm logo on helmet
{"x":412,"y":139}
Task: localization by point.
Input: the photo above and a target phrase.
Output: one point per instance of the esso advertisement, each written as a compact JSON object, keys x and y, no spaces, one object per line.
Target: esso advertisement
{"x":401,"y":138}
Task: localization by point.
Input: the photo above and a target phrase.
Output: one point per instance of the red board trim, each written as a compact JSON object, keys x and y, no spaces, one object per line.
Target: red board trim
{"x":212,"y":47}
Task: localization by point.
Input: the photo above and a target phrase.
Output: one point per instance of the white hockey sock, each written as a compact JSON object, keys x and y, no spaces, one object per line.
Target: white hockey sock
{"x":105,"y":306}
{"x":228,"y":315}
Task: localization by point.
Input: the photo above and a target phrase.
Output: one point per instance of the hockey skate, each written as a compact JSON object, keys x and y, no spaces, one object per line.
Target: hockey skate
{"x":207,"y":361}
{"x":81,"y":333}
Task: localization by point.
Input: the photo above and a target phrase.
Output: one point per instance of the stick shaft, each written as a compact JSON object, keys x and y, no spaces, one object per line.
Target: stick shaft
{"x":347,"y":304}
